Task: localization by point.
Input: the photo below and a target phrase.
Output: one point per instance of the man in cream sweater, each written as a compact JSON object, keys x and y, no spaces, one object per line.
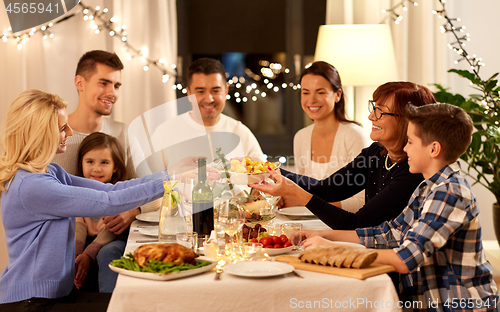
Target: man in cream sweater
{"x":204,"y":128}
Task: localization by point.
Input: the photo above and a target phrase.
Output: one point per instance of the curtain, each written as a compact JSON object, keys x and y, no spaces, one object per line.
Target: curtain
{"x":420,"y":48}
{"x":49,"y":64}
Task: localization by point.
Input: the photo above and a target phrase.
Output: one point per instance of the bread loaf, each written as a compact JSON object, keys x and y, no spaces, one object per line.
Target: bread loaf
{"x":339,"y":256}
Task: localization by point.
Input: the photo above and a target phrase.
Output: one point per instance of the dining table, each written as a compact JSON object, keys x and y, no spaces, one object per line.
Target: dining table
{"x":287,"y":292}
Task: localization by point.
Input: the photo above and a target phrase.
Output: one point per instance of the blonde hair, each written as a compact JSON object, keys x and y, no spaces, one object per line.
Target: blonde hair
{"x":30,"y":134}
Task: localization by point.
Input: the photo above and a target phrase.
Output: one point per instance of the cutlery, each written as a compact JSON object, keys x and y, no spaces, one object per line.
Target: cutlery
{"x":217,"y":274}
{"x":145,"y":226}
{"x":219,"y":270}
{"x":146,"y":241}
{"x":297,"y":274}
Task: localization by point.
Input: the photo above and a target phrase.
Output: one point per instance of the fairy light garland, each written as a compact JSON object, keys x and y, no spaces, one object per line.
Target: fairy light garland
{"x":393,"y":13}
{"x":245,"y":91}
{"x":22,"y":38}
{"x":101,"y":24}
{"x":119,"y":32}
{"x":240,"y":88}
{"x":474,"y":62}
{"x":458,"y":45}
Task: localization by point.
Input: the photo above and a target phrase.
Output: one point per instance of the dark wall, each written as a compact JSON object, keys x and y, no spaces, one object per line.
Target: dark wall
{"x":251,"y":26}
{"x":212,"y":27}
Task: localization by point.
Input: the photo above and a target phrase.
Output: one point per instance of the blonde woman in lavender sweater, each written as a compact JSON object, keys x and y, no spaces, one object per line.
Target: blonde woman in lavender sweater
{"x":39,"y":203}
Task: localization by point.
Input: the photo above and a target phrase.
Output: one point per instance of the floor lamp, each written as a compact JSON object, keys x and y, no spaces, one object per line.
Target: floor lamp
{"x":363,"y":55}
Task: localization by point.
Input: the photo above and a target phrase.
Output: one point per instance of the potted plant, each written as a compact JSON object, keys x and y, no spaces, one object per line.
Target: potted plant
{"x":483,"y":154}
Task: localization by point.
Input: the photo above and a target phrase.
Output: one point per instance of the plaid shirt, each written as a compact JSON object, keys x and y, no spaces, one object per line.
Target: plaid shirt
{"x":438,"y":236}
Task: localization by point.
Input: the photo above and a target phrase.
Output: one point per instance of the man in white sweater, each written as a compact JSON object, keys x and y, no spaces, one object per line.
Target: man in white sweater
{"x":98,"y":80}
{"x":207,"y":90}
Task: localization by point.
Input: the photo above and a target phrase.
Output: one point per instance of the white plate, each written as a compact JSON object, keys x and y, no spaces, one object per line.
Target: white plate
{"x":163,"y":276}
{"x":149,"y":231}
{"x":153,"y":216}
{"x":277,"y":251}
{"x":258,"y":268}
{"x":300,"y":211}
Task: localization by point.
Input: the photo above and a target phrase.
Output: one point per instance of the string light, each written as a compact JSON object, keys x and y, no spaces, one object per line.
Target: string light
{"x":22,"y":38}
{"x":393,"y":13}
{"x":97,"y":17}
{"x":99,"y":23}
{"x":458,"y":45}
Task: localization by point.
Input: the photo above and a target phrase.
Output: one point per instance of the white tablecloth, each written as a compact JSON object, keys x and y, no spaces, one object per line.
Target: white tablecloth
{"x":315,"y":291}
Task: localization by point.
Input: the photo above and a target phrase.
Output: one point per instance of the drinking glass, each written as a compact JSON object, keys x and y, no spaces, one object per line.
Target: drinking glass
{"x":230,"y":219}
{"x":187,"y":202}
{"x":251,"y":251}
{"x":189,"y":240}
{"x":171,"y":220}
{"x":288,"y":229}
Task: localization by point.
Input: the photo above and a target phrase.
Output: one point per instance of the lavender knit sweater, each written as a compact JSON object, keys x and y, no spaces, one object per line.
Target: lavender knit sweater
{"x":38,"y":213}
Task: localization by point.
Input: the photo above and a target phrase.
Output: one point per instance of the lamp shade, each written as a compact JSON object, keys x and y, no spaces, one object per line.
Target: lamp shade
{"x":363,"y":54}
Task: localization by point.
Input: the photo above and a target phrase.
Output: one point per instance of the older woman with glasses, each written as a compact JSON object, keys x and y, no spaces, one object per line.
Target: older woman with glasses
{"x":381,"y":169}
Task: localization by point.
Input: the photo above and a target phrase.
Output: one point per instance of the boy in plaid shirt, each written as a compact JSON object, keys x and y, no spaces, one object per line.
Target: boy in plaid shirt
{"x":435,"y":243}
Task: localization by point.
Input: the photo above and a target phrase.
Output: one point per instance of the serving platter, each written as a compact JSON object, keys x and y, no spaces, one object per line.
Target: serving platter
{"x":258,"y":268}
{"x":153,"y":216}
{"x":164,"y":276}
{"x":372,"y":270}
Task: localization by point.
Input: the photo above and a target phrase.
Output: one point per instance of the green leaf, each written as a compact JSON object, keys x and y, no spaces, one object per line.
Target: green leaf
{"x":475,"y":145}
{"x":466,"y":74}
{"x":490,"y":85}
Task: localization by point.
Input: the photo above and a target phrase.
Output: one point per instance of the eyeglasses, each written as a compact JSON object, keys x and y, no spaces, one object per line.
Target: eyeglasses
{"x":378,"y":112}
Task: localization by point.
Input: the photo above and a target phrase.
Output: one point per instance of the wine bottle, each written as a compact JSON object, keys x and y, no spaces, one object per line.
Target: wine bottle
{"x":203,"y":202}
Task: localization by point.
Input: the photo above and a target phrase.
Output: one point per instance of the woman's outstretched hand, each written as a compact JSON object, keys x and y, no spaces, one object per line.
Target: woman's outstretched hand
{"x":283,"y":187}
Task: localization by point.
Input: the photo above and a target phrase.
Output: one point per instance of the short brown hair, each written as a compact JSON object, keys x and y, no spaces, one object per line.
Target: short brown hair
{"x":447,"y":124}
{"x":87,"y":64}
{"x":403,"y":93}
{"x":205,"y":66}
{"x":99,"y":140}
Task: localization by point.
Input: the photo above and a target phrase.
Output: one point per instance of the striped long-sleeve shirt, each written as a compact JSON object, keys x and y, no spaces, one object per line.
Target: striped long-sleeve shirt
{"x":438,"y":237}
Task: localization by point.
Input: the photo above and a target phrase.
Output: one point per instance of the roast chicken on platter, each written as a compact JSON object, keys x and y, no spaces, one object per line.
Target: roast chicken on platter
{"x":168,"y":252}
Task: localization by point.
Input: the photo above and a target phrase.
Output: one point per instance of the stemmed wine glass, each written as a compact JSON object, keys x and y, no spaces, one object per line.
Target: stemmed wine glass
{"x":230,"y":217}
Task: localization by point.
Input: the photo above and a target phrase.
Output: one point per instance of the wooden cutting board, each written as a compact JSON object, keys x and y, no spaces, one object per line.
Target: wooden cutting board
{"x":372,"y":270}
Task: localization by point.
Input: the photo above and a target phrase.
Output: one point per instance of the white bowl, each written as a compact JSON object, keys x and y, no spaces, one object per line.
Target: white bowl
{"x":277,"y":251}
{"x":249,"y":178}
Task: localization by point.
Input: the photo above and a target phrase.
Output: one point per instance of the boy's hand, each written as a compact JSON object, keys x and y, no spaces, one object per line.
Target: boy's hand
{"x":82,"y":264}
{"x":317,"y":241}
{"x":303,"y":235}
